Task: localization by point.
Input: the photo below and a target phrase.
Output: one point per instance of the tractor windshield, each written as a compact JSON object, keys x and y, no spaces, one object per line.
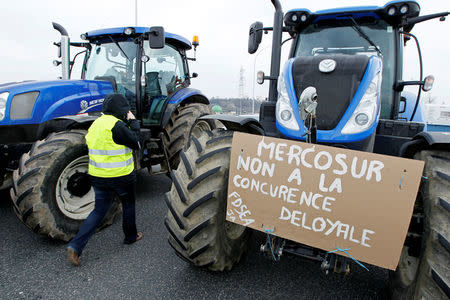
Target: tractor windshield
{"x":115,"y":62}
{"x":339,"y":36}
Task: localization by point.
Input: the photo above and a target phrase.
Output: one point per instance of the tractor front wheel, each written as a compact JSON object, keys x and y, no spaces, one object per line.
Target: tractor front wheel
{"x":198,"y":230}
{"x":423,"y":271}
{"x":51,"y":192}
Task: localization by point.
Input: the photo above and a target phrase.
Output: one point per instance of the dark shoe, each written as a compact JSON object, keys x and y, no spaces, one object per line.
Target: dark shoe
{"x":73,"y":257}
{"x":139,"y":236}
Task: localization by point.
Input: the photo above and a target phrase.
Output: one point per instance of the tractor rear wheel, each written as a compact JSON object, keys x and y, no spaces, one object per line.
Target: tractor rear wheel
{"x":182,"y":124}
{"x":198,"y":230}
{"x":51,"y":192}
{"x":423,"y":271}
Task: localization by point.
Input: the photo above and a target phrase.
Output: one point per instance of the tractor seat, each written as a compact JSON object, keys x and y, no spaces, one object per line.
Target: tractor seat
{"x":166,"y":78}
{"x":153,"y":88}
{"x":154,"y":99}
{"x":111,"y":79}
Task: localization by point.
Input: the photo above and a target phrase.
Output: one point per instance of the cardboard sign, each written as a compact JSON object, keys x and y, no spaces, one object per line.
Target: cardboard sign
{"x":323,"y":196}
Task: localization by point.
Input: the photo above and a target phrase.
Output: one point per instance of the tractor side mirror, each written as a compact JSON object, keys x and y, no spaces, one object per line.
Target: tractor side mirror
{"x":255,"y":37}
{"x":156,"y":37}
{"x":308,"y":102}
{"x":428,"y":83}
{"x":260,"y":76}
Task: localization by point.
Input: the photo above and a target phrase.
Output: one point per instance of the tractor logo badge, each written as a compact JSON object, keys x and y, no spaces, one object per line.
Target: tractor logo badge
{"x":327,"y":65}
{"x":84,"y":104}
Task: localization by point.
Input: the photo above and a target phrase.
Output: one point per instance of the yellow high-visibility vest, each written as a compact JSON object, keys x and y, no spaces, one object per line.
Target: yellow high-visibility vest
{"x":106,"y":158}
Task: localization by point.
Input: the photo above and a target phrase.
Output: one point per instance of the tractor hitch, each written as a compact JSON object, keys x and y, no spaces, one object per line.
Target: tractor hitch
{"x":337,"y":263}
{"x":274,"y":247}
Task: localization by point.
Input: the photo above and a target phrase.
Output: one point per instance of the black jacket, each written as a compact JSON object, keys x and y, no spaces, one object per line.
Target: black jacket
{"x":125,"y":132}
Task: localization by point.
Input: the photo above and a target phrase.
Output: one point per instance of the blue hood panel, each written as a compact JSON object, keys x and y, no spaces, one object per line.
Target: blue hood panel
{"x":4,"y":87}
{"x":57,"y":98}
{"x":373,"y":68}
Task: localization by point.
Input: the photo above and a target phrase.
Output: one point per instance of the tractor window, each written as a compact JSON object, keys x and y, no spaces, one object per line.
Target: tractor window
{"x":164,"y":73}
{"x":115,"y":63}
{"x":339,"y":37}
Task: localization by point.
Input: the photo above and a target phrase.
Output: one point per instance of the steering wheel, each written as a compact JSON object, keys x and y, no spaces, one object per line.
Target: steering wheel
{"x":118,"y":71}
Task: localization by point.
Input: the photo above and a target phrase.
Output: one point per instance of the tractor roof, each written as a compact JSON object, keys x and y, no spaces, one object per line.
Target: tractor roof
{"x":392,"y":12}
{"x":174,"y":39}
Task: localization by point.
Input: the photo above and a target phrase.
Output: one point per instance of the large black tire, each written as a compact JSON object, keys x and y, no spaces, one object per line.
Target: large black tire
{"x":424,"y":268}
{"x":198,"y":231}
{"x":51,"y":191}
{"x":180,"y":127}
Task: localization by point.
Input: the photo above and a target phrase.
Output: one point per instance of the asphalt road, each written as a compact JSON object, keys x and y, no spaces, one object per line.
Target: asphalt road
{"x":35,"y":267}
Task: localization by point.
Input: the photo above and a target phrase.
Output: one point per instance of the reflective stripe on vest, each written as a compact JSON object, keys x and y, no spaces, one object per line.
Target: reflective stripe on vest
{"x":106,"y":158}
{"x":111,"y":165}
{"x":110,"y":152}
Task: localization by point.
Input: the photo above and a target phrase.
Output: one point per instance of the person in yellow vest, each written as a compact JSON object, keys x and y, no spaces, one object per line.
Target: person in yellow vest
{"x":110,"y":141}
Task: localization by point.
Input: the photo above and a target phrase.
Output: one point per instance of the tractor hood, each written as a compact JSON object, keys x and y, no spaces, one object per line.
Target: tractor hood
{"x":340,"y":91}
{"x":34,"y":102}
{"x":9,"y":85}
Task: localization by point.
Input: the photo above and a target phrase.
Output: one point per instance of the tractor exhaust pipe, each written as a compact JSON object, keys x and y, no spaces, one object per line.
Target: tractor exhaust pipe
{"x":64,"y":50}
{"x":276,"y":50}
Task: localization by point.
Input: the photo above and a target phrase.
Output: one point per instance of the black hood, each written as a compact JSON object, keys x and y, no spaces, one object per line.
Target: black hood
{"x":116,"y":105}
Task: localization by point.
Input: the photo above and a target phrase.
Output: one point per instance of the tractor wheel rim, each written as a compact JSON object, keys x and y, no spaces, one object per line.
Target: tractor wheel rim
{"x":73,"y":200}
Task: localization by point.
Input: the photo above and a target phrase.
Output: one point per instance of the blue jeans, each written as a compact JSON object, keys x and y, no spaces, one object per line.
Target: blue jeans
{"x":103,"y":199}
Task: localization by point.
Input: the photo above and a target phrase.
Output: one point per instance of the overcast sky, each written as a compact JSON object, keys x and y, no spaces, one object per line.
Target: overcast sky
{"x":26,"y":36}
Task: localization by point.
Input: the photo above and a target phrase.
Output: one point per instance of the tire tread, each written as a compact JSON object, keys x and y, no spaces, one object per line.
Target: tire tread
{"x":199,"y":192}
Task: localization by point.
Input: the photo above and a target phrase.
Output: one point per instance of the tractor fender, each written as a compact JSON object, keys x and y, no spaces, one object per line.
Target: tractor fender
{"x":238,"y":123}
{"x":81,"y":121}
{"x":81,"y":118}
{"x":425,"y":140}
{"x":182,"y":96}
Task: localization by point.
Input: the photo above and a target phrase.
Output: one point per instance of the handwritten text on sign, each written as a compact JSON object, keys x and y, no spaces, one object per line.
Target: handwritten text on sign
{"x":322,"y":196}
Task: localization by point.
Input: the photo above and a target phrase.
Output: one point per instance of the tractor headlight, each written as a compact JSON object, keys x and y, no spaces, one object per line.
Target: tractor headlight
{"x":367,"y":110}
{"x":22,"y":105}
{"x":284,"y":112}
{"x":362,"y":119}
{"x":285,"y":115}
{"x":392,"y":10}
{"x":129,"y":31}
{"x":3,"y":100}
{"x":404,"y":9}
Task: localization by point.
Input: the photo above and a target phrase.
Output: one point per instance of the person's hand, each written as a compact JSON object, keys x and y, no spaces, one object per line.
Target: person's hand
{"x":130,"y":116}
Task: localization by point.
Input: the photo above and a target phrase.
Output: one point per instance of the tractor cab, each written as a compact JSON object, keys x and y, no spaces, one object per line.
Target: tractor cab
{"x":367,"y":31}
{"x":146,"y":75}
{"x":351,"y":58}
{"x":334,"y":35}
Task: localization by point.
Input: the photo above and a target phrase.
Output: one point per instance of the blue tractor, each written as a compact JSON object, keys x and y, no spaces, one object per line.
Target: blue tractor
{"x":342,"y":86}
{"x":43,"y":123}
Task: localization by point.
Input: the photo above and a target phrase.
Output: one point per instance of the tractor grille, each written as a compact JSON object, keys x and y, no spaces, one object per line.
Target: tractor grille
{"x":335,"y":90}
